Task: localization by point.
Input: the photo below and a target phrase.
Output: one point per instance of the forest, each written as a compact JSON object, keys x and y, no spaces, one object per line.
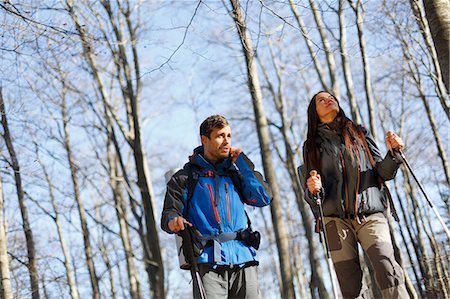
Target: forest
{"x":101,"y":100}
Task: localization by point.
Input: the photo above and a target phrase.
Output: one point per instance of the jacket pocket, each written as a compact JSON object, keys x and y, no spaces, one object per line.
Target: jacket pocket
{"x":213,"y":203}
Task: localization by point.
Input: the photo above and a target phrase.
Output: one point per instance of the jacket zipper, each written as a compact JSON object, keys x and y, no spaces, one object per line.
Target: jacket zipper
{"x":213,"y":203}
{"x":359,"y":179}
{"x":345,"y":182}
{"x":228,"y":201}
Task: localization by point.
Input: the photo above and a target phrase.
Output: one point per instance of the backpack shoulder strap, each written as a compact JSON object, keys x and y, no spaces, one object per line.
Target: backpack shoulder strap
{"x":191,"y":182}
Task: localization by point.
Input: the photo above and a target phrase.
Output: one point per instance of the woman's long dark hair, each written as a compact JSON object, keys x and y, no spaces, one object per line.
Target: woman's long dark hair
{"x":351,"y":133}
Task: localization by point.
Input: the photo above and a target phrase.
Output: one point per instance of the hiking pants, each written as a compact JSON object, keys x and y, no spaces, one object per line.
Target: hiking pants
{"x":225,"y":282}
{"x":373,"y":235}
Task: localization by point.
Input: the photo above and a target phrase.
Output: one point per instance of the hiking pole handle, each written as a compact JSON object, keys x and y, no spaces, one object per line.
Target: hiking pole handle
{"x":313,"y":174}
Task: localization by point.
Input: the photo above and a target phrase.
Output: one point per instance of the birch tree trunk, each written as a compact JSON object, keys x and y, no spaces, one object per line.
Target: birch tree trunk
{"x":423,"y":257}
{"x":358,"y":9}
{"x":264,"y":141}
{"x":81,"y":210}
{"x":56,"y":218}
{"x":5,"y":282}
{"x":408,"y":226}
{"x":32,"y":262}
{"x":327,"y":48}
{"x":310,"y":45}
{"x":346,"y":65}
{"x":131,"y":94}
{"x":272,"y":254}
{"x":134,"y":284}
{"x":316,"y":282}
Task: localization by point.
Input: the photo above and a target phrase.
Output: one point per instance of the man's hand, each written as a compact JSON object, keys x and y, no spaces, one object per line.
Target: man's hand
{"x":314,"y":184}
{"x":394,"y":142}
{"x":178,"y":223}
{"x":234,"y":153}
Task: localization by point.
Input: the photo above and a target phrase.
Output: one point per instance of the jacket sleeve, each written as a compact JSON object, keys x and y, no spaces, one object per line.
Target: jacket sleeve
{"x":173,"y":200}
{"x":308,"y":196}
{"x":387,"y":167}
{"x":255,"y":189}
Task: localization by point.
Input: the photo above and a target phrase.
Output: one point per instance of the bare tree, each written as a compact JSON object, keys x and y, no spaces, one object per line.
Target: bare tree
{"x":114,"y":178}
{"x":358,"y":9}
{"x":413,"y":72}
{"x":128,"y":77}
{"x":56,"y":218}
{"x":264,"y":141}
{"x":327,"y":49}
{"x":80,"y":203}
{"x":278,"y":97}
{"x":14,"y":162}
{"x":310,"y":45}
{"x":346,"y":64}
{"x":423,"y":25}
{"x":5,"y":282}
{"x":438,"y":16}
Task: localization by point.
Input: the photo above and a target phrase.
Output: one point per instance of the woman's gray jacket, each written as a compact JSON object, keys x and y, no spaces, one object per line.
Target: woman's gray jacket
{"x":351,"y":187}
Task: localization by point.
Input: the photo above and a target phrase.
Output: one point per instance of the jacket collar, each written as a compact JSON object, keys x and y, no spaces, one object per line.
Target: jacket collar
{"x":198,"y":159}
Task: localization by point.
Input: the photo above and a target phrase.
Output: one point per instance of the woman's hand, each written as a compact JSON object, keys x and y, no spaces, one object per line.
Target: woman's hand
{"x":314,"y":184}
{"x":394,"y":142}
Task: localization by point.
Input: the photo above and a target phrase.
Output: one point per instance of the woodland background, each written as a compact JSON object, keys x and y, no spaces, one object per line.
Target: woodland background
{"x":100,"y":99}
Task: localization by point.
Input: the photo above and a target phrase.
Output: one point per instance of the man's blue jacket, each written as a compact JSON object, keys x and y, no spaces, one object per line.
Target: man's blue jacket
{"x":216,"y":206}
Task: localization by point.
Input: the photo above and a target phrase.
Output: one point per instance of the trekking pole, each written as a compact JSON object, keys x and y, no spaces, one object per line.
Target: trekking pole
{"x":447,"y":231}
{"x":334,"y":282}
{"x":190,"y":257}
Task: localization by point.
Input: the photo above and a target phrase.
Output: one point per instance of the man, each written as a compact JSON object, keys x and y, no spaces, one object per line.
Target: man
{"x":225,"y":180}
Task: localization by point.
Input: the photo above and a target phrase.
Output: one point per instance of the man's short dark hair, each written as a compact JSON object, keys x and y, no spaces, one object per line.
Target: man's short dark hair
{"x":211,"y":123}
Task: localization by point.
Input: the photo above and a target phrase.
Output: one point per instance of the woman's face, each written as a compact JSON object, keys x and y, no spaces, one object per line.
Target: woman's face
{"x":326,"y":107}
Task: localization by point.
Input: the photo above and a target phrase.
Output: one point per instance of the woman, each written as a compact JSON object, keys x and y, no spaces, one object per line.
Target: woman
{"x":349,"y":181}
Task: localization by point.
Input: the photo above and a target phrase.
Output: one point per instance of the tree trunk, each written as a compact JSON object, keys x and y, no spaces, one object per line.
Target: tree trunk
{"x":425,"y":30}
{"x":358,"y":9}
{"x":438,"y":269}
{"x":134,"y":285}
{"x":105,"y":257}
{"x":264,"y":141}
{"x":67,"y":258}
{"x":81,"y":211}
{"x":152,"y":253}
{"x":316,"y":282}
{"x":438,"y":16}
{"x":356,"y":116}
{"x":310,"y":45}
{"x":5,"y":282}
{"x":423,"y":258}
{"x":406,"y":224}
{"x":414,"y":73}
{"x":271,"y":251}
{"x":399,"y":258}
{"x":32,"y":263}
{"x":327,"y":48}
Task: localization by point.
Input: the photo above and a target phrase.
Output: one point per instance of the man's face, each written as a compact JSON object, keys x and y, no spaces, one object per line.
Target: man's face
{"x":217,"y":146}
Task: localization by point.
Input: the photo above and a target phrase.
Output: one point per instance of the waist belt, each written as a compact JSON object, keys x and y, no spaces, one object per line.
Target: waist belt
{"x":215,"y":242}
{"x":221,"y":238}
